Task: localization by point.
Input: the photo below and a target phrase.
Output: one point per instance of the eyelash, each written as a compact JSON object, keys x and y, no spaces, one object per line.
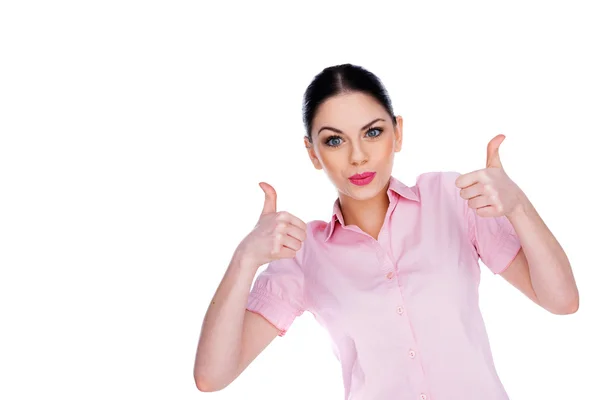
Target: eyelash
{"x":339,"y":137}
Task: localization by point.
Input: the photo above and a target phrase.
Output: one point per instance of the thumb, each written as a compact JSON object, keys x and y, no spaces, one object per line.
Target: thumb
{"x":493,"y":155}
{"x":270,"y":205}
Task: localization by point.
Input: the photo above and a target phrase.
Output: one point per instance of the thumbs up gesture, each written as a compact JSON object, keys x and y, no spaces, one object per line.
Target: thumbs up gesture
{"x":277,"y":234}
{"x":490,"y":191}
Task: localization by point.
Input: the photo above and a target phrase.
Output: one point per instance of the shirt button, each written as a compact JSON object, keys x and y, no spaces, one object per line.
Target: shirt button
{"x":390,"y":275}
{"x":412,"y":354}
{"x":400,"y":310}
{"x":423,"y":396}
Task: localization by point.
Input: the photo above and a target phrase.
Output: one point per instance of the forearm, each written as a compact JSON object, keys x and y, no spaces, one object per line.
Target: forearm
{"x":549,"y":268}
{"x":219,"y":346}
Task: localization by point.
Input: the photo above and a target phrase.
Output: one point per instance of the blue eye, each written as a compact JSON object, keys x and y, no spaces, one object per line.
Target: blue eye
{"x":330,"y":140}
{"x":374,"y":129}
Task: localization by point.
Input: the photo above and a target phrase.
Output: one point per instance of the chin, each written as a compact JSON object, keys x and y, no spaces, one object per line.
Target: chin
{"x":364,"y":192}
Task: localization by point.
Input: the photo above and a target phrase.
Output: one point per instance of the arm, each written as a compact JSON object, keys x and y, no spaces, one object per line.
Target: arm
{"x":541,"y":269}
{"x":232,"y":335}
{"x":230,"y":338}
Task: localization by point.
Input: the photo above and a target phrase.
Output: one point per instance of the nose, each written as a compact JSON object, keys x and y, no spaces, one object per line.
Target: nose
{"x":357,"y":155}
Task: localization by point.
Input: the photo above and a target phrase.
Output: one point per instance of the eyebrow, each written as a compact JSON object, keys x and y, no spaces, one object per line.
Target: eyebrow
{"x":362,"y":129}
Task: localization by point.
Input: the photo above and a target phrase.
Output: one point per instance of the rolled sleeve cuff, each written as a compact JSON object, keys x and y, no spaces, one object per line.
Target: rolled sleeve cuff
{"x":505,"y":254}
{"x":274,"y":310}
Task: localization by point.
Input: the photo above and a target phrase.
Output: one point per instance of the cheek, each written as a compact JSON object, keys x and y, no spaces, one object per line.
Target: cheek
{"x":390,"y":144}
{"x":384,"y":149}
{"x":332,"y":159}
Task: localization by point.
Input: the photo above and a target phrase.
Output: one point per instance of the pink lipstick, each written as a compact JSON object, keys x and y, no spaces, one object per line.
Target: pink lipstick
{"x":362,"y":179}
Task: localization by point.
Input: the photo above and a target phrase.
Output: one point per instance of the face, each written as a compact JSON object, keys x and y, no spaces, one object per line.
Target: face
{"x":353,"y":134}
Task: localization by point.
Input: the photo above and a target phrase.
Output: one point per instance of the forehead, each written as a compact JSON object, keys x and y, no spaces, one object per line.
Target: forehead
{"x":348,"y":112}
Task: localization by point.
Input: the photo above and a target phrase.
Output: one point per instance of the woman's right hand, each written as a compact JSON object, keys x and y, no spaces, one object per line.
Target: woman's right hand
{"x":277,"y":234}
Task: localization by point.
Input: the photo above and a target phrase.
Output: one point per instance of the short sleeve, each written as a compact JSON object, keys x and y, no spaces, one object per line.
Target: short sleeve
{"x":494,"y":238}
{"x":278,"y":292}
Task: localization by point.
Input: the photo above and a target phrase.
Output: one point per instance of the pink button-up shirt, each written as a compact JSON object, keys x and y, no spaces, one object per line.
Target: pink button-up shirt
{"x":402,"y":311}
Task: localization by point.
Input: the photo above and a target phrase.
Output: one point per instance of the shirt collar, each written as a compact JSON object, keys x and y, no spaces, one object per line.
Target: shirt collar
{"x":395,"y":187}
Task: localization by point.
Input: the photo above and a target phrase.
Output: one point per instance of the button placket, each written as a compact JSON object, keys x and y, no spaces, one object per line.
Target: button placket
{"x":382,"y":243}
{"x":391,"y":270}
{"x":384,"y":262}
{"x":388,"y":265}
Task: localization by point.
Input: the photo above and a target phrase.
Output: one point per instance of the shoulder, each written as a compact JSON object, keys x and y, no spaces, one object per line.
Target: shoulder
{"x":438,"y":180}
{"x":437,"y":176}
{"x":438,"y":189}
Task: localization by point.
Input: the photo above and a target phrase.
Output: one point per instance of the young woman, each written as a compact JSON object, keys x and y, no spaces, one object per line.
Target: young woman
{"x":394,"y":275}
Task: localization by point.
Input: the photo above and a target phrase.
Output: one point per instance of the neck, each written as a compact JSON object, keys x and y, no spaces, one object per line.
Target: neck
{"x":368,"y":215}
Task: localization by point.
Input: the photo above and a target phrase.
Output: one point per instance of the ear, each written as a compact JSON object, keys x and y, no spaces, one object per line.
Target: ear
{"x":311,"y":154}
{"x":398,"y":134}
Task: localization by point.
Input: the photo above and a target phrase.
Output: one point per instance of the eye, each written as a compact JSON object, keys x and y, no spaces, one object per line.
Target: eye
{"x":331,"y":139}
{"x":379,"y":130}
{"x":335,"y":141}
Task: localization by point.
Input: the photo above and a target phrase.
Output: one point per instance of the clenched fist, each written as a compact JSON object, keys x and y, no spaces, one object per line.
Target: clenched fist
{"x":277,"y":234}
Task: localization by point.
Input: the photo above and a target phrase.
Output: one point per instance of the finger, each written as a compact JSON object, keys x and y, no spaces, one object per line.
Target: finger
{"x":285,"y":253}
{"x":292,"y":219}
{"x":493,"y":155}
{"x":479,"y":201}
{"x":295,"y":232}
{"x":486,"y":212}
{"x":466,"y":180}
{"x":472,"y":191}
{"x":270,"y":205}
{"x":290,"y":242}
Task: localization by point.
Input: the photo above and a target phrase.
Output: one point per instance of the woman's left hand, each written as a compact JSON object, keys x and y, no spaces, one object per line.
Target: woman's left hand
{"x":490,"y":191}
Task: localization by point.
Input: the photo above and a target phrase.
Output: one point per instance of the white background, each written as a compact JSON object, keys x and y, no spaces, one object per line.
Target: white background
{"x":134,"y":135}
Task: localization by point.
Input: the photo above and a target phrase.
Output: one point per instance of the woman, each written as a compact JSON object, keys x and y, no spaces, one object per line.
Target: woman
{"x":394,"y":275}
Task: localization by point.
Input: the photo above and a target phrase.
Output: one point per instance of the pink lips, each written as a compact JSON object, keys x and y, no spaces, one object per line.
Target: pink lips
{"x":362,"y":179}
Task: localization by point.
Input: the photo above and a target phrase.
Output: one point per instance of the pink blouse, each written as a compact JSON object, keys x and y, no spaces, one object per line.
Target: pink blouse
{"x":402,"y":311}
